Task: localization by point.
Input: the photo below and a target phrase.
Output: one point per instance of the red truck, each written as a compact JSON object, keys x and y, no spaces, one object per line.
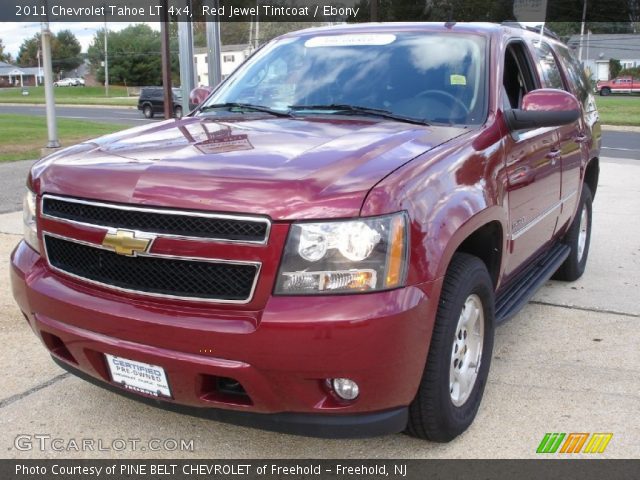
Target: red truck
{"x":618,"y":85}
{"x":327,"y":243}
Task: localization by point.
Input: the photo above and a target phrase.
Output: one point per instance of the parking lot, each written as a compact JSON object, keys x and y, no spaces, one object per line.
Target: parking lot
{"x":569,"y":362}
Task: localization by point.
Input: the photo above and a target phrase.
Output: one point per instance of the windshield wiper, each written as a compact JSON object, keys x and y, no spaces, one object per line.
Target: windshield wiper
{"x":245,"y":106}
{"x":355,"y":109}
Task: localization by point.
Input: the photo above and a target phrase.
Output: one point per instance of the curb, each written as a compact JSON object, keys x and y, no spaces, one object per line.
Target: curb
{"x":620,"y":128}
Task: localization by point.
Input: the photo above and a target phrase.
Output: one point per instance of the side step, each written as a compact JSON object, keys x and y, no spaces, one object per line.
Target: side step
{"x":510,"y":301}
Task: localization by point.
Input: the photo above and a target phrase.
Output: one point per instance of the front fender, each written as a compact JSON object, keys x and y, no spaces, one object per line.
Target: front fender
{"x":448,"y":193}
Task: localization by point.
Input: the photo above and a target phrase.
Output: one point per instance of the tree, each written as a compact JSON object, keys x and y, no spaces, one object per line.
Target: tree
{"x":4,"y":56}
{"x":65,"y":52}
{"x":134,"y":56}
{"x":614,"y":67}
{"x":28,"y":53}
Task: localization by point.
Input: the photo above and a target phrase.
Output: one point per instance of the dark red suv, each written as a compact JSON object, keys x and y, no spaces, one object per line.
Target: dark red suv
{"x":327,"y":243}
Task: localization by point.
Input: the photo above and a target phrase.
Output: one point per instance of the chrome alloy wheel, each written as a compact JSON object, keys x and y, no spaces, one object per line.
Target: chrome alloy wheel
{"x":466,"y":352}
{"x":582,"y":232}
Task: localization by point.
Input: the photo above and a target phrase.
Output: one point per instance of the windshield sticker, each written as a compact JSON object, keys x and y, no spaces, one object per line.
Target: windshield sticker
{"x":350,"y":40}
{"x":457,"y":80}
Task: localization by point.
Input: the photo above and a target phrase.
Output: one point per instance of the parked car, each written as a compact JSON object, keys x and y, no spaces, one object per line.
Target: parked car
{"x":618,"y":85}
{"x":78,"y":82}
{"x":326,"y":245}
{"x":151,"y":101}
{"x":65,"y":82}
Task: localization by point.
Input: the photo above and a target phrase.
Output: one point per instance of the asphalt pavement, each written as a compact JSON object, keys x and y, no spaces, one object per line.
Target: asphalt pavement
{"x":123,"y":115}
{"x":620,"y":143}
{"x":568,"y":362}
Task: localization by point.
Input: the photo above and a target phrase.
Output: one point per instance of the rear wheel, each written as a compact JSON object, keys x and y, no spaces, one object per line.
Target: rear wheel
{"x":578,"y":239}
{"x":457,"y":366}
{"x":147,"y":111}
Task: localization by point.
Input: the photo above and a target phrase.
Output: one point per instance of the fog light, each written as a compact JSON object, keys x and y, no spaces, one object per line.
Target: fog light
{"x":345,"y":388}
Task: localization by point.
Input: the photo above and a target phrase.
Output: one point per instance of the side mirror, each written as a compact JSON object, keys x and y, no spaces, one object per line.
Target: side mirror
{"x":198,"y":95}
{"x":547,"y":107}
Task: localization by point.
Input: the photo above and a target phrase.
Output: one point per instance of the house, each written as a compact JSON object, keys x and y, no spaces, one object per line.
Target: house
{"x":231,"y":56}
{"x":598,"y":49}
{"x":12,"y":76}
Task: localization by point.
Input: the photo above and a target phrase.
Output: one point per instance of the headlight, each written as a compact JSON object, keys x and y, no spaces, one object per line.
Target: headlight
{"x":29,"y":220}
{"x":344,"y":256}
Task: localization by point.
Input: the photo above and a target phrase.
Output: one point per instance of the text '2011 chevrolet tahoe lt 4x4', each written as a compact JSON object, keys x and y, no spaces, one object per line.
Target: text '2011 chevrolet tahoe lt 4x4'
{"x":326,"y":244}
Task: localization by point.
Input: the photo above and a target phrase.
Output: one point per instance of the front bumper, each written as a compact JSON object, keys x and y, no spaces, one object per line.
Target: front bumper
{"x":281,"y":355}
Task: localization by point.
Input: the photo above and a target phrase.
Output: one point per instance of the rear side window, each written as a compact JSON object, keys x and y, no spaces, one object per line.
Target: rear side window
{"x":549,"y":70}
{"x":575,"y":72}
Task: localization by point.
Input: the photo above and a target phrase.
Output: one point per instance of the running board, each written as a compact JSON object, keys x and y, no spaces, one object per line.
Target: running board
{"x":518,"y":294}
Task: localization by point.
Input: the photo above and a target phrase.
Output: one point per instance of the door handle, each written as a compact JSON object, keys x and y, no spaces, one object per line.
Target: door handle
{"x":581,"y":138}
{"x":553,"y":155}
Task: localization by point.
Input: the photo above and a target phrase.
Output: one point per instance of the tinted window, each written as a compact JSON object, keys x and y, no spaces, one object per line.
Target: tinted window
{"x":575,"y":72}
{"x":432,"y":77}
{"x":549,"y":69}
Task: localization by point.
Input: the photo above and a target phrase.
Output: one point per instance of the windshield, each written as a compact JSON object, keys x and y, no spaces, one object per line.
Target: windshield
{"x":429,"y":77}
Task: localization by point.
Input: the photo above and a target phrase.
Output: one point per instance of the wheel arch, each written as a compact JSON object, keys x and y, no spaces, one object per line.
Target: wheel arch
{"x":483,"y":236}
{"x":591,"y":176}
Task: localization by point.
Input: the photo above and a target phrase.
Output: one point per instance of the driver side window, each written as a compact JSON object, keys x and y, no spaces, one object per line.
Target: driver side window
{"x":518,"y":78}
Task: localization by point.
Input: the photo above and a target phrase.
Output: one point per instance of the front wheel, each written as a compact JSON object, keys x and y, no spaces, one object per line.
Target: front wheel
{"x":578,"y":239}
{"x":457,"y":366}
{"x":147,"y":111}
{"x":177,"y":112}
{"x":605,"y":92}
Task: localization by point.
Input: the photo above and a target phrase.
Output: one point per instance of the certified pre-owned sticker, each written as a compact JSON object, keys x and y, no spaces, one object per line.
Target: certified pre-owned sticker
{"x":138,"y":376}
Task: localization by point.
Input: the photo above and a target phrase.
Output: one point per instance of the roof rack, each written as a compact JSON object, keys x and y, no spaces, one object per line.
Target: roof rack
{"x":545,"y":31}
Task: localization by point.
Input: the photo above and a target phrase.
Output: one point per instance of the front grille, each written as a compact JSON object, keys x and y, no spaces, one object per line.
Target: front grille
{"x":197,"y":279}
{"x":184,"y":224}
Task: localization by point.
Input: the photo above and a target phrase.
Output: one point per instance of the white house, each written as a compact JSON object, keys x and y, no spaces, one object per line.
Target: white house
{"x":230,"y":57}
{"x":598,"y":49}
{"x":12,"y":76}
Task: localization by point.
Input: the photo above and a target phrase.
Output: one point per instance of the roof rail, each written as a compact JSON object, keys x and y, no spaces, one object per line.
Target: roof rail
{"x":546,"y":32}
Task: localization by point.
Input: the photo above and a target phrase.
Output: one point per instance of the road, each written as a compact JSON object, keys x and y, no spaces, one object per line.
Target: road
{"x":123,"y":115}
{"x":620,"y":144}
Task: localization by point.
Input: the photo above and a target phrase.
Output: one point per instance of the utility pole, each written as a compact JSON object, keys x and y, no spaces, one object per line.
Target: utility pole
{"x":187,"y":64}
{"x":50,"y":100}
{"x":213,"y":51}
{"x":584,"y":17}
{"x":166,"y":61}
{"x":106,"y":59}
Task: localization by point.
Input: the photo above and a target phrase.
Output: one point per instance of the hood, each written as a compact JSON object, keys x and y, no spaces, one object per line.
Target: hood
{"x":286,"y":168}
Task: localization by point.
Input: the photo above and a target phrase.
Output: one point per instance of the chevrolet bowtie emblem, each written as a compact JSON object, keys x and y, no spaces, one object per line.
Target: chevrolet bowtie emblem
{"x":124,"y":242}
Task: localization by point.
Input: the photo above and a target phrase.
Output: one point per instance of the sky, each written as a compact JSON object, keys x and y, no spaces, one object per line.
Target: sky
{"x":14,"y":33}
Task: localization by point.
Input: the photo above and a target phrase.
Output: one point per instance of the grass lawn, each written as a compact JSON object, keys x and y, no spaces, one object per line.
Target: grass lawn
{"x":70,"y":96}
{"x":619,"y":110}
{"x":22,"y":136}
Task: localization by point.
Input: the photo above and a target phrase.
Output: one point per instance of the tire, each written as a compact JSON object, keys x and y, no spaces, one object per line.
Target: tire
{"x":605,"y":92}
{"x":147,"y":111}
{"x":578,"y":238}
{"x":177,"y":112}
{"x":440,"y":412}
